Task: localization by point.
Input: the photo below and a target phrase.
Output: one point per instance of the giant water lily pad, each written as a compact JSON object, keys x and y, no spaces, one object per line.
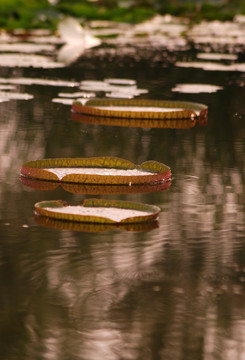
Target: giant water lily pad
{"x":99,"y":211}
{"x":140,"y":108}
{"x":96,"y":170}
{"x":196,"y":88}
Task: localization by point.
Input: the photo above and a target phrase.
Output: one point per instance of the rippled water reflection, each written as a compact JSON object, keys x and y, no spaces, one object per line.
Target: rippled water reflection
{"x":172,"y":292}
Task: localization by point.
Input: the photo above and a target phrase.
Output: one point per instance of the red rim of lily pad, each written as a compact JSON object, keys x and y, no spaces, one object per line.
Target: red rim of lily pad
{"x":129,"y":122}
{"x":152,"y":172}
{"x":95,"y":189}
{"x":60,"y":210}
{"x":170,"y":109}
{"x":94,"y":227}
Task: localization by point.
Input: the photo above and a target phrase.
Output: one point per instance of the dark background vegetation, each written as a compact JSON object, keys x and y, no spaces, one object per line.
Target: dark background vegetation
{"x":45,"y":14}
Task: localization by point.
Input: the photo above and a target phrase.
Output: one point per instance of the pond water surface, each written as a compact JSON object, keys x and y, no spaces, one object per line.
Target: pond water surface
{"x":174,"y":291}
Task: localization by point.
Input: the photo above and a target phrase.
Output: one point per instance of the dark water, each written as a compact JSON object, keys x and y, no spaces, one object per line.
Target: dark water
{"x":173,"y":292}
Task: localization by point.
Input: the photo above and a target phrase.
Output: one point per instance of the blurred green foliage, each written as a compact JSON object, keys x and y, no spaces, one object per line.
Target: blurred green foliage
{"x":45,"y":14}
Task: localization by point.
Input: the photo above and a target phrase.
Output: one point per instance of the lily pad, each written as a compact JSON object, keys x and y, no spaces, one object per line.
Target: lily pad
{"x":217,"y":56}
{"x":196,"y":88}
{"x":7,"y":95}
{"x":28,"y":61}
{"x":113,"y":87}
{"x":211,"y":66}
{"x":96,"y":170}
{"x":122,"y":82}
{"x":38,"y":81}
{"x":140,"y":109}
{"x":99,"y":211}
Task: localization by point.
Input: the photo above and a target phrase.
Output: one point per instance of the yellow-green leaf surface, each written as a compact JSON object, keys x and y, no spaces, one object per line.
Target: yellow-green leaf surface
{"x":99,"y":211}
{"x":115,"y":171}
{"x":140,"y":109}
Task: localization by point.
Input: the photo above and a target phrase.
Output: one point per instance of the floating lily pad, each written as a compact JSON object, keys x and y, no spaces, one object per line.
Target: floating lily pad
{"x":94,"y":189}
{"x":144,"y":123}
{"x":122,"y":82}
{"x":7,"y":95}
{"x":77,"y":94}
{"x":99,"y":211}
{"x":94,"y":227}
{"x":26,"y":48}
{"x":211,"y":66}
{"x":38,"y":81}
{"x":28,"y":60}
{"x":96,"y":170}
{"x":196,"y":88}
{"x":119,"y":88}
{"x":217,"y":56}
{"x":68,"y":100}
{"x":140,"y":109}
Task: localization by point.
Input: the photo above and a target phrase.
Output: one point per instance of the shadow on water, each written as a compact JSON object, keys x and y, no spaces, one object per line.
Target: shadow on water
{"x":175,"y":291}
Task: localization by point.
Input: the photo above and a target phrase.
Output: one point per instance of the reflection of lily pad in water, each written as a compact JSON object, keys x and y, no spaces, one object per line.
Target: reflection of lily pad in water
{"x":94,"y":227}
{"x":94,"y":189}
{"x":140,"y":109}
{"x":144,"y":123}
{"x":99,"y":211}
{"x":96,"y":170}
{"x":196,"y":88}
